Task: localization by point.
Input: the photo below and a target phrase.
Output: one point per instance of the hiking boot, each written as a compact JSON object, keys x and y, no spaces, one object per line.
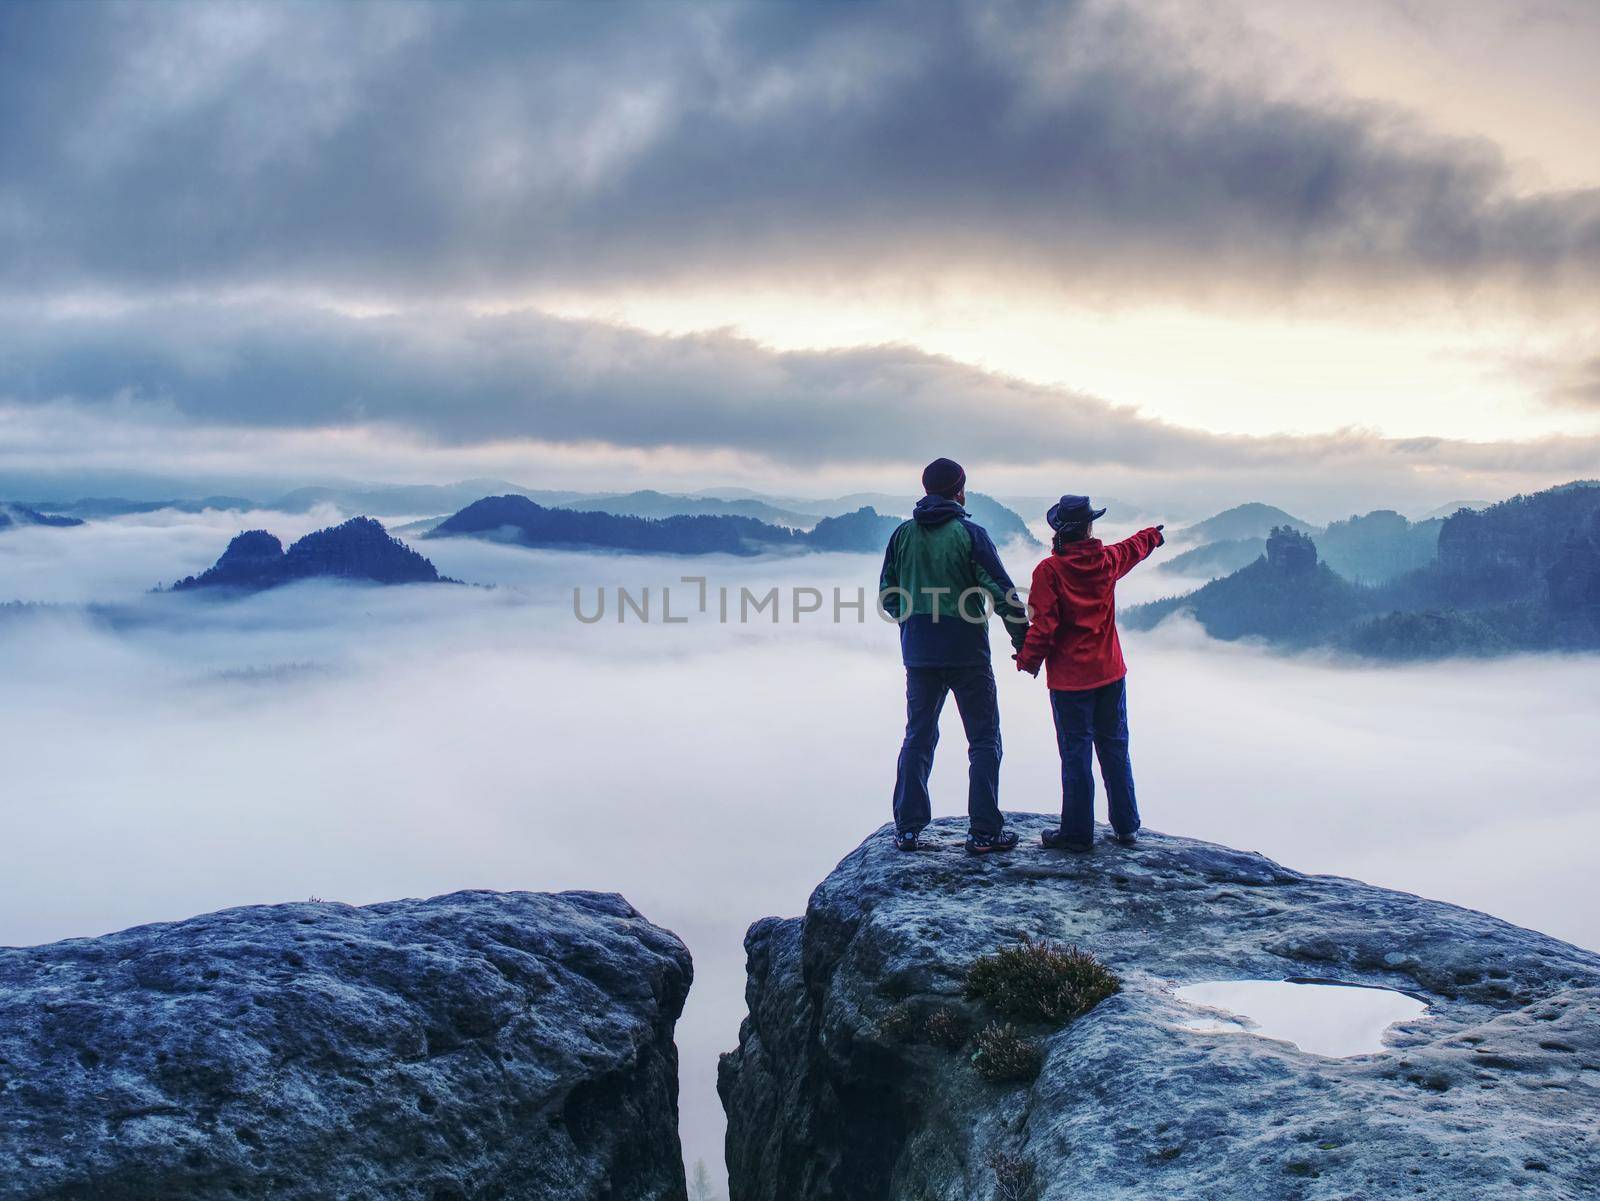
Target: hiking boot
{"x":1130,"y":839}
{"x":1056,"y":840}
{"x":983,"y":844}
{"x":905,"y":840}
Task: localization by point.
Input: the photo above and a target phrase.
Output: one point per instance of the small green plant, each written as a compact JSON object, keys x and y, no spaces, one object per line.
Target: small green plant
{"x":1014,"y":1177}
{"x":1004,"y":1053}
{"x":945,"y":1028}
{"x":1041,"y":981}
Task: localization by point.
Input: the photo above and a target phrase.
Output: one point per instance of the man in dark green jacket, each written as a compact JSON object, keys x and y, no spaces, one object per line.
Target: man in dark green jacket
{"x":941,"y":579}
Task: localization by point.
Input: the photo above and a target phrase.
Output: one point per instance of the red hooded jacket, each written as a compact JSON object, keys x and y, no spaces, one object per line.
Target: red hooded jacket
{"x":1074,"y":628}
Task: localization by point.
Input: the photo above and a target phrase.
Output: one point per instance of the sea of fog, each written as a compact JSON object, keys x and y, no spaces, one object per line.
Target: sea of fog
{"x":170,"y":754}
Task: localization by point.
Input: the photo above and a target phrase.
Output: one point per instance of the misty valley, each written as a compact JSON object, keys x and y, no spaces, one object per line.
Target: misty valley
{"x":1519,"y":575}
{"x":274,"y":725}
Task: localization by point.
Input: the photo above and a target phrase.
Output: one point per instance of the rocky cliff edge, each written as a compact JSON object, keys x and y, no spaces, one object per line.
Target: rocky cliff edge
{"x":857,"y":1073}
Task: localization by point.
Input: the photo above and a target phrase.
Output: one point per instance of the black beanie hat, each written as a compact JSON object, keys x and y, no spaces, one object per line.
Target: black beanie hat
{"x":943,"y":477}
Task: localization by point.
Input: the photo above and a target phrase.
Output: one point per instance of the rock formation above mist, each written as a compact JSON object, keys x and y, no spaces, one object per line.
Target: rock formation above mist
{"x":1521,"y":575}
{"x":1286,"y":596}
{"x":842,"y":1087}
{"x":360,"y":549}
{"x":1370,"y":548}
{"x":12,"y":516}
{"x":477,"y":1045}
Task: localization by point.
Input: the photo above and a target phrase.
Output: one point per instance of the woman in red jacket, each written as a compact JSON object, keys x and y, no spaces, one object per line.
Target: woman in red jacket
{"x":1074,"y":635}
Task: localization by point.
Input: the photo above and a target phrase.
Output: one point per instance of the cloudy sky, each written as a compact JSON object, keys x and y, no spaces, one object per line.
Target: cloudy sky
{"x":1275,"y":249}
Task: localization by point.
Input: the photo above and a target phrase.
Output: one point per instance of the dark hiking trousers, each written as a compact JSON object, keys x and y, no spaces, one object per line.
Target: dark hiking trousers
{"x":926,"y":688}
{"x":1094,"y":720}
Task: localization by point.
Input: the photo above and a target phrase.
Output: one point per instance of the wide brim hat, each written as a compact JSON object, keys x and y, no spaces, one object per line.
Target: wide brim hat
{"x":1072,"y":510}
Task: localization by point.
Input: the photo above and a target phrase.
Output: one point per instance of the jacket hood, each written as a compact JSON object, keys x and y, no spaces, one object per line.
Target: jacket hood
{"x":936,"y":510}
{"x":1073,"y":550}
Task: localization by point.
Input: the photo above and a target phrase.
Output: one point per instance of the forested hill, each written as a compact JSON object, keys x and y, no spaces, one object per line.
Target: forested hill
{"x":866,"y":530}
{"x":359,"y":550}
{"x":521,"y":521}
{"x":18,"y":515}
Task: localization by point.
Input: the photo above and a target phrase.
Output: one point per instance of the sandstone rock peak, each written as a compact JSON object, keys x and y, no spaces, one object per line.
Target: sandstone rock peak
{"x":854,"y":1077}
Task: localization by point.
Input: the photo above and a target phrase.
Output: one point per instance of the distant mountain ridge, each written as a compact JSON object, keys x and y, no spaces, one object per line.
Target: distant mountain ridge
{"x":438,"y":501}
{"x":360,"y":550}
{"x":1003,"y":524}
{"x":1523,"y":574}
{"x":518,"y":519}
{"x":1118,"y":512}
{"x":649,"y":503}
{"x":524,"y":522}
{"x":1370,"y":548}
{"x":402,"y":499}
{"x":1251,"y":520}
{"x":90,"y":507}
{"x":1453,"y":507}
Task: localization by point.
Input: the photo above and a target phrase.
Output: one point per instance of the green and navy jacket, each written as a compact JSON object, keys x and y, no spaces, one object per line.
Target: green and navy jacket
{"x":941,"y":577}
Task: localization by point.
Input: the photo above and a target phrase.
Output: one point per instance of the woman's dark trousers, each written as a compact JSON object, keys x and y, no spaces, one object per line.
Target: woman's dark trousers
{"x":1094,"y":720}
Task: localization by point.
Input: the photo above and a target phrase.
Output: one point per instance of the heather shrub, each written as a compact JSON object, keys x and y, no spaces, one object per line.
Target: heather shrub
{"x":1041,"y":981}
{"x":1003,"y":1053}
{"x":1014,"y":1177}
{"x":945,"y":1028}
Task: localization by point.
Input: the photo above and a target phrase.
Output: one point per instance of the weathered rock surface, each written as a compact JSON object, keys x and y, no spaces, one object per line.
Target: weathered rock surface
{"x":477,"y":1045}
{"x":831,"y":1094}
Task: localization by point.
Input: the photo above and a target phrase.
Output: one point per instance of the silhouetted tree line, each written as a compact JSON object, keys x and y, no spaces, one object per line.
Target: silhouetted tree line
{"x":15,"y":514}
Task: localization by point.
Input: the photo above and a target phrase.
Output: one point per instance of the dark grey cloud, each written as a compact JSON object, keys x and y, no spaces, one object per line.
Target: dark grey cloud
{"x":381,"y":149}
{"x":1578,"y":384}
{"x":1569,"y":380}
{"x":463,"y":381}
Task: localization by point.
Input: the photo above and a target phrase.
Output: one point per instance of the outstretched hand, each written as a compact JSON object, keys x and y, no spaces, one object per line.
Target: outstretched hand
{"x":1163,"y":541}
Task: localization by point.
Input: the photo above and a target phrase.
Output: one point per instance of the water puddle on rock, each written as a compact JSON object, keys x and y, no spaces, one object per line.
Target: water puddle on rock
{"x":1335,"y":1020}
